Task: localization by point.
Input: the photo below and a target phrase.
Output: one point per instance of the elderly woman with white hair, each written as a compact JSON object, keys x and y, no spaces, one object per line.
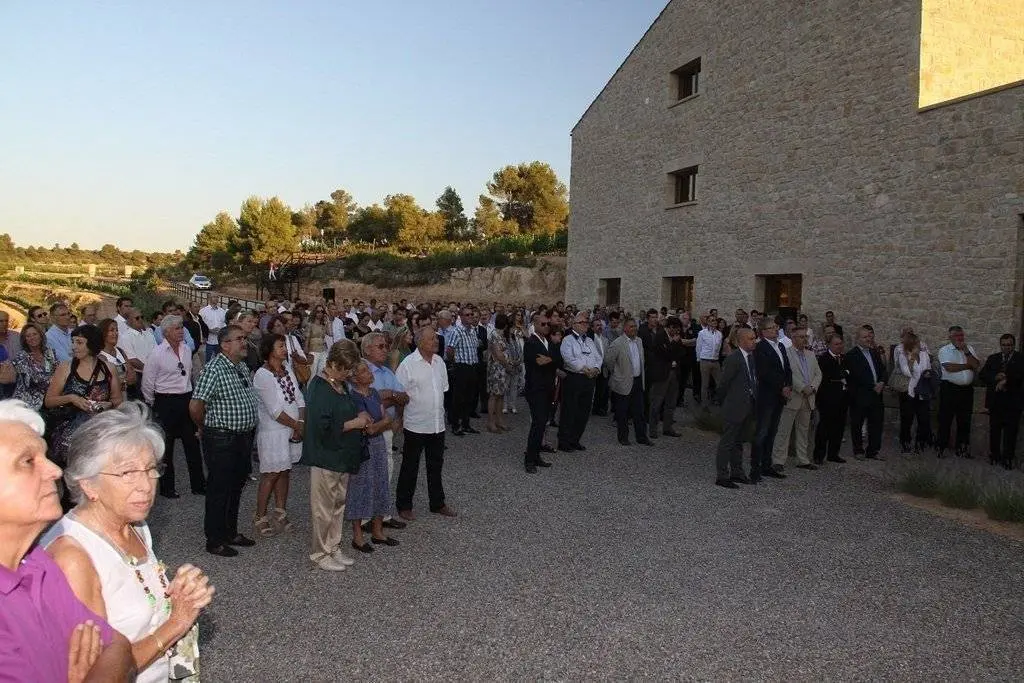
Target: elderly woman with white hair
{"x":46,"y":631}
{"x":105,"y":548}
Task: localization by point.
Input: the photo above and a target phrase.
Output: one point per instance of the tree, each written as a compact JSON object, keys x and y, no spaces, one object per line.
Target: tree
{"x":416,"y":227}
{"x":265,"y":230}
{"x":215,"y":243}
{"x":532,"y":196}
{"x":487,"y":220}
{"x":6,"y":244}
{"x":372,"y":224}
{"x":304,"y":221}
{"x":449,"y":205}
{"x":333,"y":217}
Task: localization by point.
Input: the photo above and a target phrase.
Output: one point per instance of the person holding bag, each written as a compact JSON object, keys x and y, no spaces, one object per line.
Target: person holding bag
{"x":911,"y":380}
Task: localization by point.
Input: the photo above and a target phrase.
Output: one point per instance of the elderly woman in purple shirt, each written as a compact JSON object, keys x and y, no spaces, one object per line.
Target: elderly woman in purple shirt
{"x":46,"y":633}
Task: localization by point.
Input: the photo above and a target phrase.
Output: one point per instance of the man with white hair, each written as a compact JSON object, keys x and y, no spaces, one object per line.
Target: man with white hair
{"x":46,"y":633}
{"x":167,"y":386}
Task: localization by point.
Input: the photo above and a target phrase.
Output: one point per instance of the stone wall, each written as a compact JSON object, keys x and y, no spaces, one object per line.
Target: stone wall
{"x":814,"y":159}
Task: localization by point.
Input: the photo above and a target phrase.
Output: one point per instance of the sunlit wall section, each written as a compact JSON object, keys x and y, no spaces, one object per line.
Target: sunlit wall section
{"x":969,"y":47}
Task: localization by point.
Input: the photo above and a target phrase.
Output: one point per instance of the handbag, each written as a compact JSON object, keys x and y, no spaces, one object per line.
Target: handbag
{"x":184,"y":657}
{"x":898,"y":382}
{"x":301,"y":370}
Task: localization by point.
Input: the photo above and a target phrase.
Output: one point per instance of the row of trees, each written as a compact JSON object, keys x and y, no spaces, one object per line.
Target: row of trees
{"x":525,"y":198}
{"x":108,"y":254}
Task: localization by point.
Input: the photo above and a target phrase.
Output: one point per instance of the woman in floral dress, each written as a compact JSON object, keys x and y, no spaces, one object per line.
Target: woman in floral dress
{"x":33,"y":366}
{"x":498,"y":368}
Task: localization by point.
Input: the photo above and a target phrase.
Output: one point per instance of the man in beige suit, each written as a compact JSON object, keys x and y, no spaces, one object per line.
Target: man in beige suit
{"x":624,"y":363}
{"x":797,"y":411}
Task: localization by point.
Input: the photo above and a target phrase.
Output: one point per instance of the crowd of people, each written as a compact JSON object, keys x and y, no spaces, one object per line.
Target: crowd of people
{"x":96,"y":406}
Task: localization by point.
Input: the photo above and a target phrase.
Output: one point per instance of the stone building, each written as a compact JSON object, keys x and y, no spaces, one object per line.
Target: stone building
{"x":862,"y":157}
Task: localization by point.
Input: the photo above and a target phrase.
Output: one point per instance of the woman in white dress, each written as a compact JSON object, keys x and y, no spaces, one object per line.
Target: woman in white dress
{"x":282,"y":411}
{"x":105,"y":549}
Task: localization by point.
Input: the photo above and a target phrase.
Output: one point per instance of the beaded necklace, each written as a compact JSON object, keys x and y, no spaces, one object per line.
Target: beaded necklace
{"x":284,"y":381}
{"x":134,"y":563}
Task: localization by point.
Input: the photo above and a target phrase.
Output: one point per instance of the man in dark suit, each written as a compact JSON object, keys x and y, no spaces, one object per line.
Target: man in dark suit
{"x":832,"y":402}
{"x":662,"y":374}
{"x":1003,"y":375}
{"x":774,"y":385}
{"x":736,"y":392}
{"x":542,"y":360}
{"x":601,"y":392}
{"x":866,"y":384}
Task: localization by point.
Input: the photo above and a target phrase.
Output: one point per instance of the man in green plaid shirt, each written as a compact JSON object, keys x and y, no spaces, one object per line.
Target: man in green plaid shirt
{"x":223,"y":406}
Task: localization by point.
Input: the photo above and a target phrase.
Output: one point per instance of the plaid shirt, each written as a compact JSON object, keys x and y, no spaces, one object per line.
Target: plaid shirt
{"x":227,"y":391}
{"x":465,"y":342}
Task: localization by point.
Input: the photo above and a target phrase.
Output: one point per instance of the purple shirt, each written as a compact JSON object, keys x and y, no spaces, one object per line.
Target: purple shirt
{"x":38,"y":612}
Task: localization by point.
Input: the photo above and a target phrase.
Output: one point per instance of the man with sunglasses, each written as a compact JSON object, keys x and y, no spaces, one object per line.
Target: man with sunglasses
{"x":582,"y":363}
{"x":223,"y":408}
{"x":167,"y":387}
{"x":58,"y":337}
{"x":542,"y":360}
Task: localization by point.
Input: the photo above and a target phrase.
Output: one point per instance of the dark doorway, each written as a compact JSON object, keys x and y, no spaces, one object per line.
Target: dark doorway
{"x":782,"y":293}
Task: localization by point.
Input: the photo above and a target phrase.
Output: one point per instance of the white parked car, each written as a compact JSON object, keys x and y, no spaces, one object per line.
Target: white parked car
{"x":200,"y":281}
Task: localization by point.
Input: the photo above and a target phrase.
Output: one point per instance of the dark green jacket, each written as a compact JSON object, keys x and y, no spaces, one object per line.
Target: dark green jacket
{"x":324,"y":444}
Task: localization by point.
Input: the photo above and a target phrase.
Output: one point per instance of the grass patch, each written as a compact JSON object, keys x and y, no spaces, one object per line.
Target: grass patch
{"x":959,"y":492}
{"x":1005,"y":504}
{"x":920,"y":482}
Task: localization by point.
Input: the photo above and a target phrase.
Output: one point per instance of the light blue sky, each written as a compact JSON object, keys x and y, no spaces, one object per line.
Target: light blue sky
{"x":133,"y":123}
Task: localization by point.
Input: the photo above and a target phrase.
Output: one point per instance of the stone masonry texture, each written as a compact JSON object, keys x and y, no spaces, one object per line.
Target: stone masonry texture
{"x":814,"y":159}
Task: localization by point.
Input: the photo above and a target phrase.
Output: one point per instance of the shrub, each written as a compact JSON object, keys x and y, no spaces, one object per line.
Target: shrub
{"x":959,"y":492}
{"x":1004,"y":503}
{"x":920,"y":482}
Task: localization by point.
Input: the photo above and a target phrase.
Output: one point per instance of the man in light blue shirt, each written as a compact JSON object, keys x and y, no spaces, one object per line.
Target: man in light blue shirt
{"x":58,"y":337}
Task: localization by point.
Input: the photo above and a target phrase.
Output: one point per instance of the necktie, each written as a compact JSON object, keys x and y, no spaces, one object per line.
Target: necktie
{"x":750,"y":371}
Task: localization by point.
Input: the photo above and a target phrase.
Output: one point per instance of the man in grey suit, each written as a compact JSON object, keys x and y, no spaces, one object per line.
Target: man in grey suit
{"x":624,"y":362}
{"x":736,"y":392}
{"x":796,"y":414}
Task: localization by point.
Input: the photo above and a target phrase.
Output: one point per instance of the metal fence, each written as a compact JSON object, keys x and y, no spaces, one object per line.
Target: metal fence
{"x":187,"y":292}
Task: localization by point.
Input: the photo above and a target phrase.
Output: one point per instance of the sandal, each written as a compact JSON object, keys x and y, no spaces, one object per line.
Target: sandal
{"x":263,"y":526}
{"x":282,"y":519}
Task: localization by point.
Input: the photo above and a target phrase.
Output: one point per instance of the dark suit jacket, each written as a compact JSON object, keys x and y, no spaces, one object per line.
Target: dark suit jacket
{"x":481,"y":334}
{"x":1010,"y":398}
{"x":832,"y":394}
{"x":861,"y":383}
{"x":772,"y":373}
{"x":734,"y":389}
{"x":540,"y":378}
{"x":663,"y":353}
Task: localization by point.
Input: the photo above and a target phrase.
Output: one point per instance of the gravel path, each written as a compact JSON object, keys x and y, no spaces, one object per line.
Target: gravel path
{"x":618,"y":563}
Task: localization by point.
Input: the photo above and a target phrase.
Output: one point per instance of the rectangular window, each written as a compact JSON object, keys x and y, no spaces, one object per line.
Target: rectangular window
{"x":609,"y":291}
{"x":677,"y":292}
{"x":686,"y":79}
{"x":684,"y":185}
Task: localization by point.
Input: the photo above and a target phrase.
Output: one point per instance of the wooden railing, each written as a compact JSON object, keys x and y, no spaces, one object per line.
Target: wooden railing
{"x":187,"y":292}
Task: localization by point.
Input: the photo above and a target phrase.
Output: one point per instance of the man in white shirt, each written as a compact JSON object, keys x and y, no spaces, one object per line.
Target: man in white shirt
{"x":123,"y":306}
{"x":425,"y":378}
{"x":709,"y":347}
{"x":167,"y":386}
{"x":625,"y":365}
{"x":213,"y":315}
{"x":956,"y":392}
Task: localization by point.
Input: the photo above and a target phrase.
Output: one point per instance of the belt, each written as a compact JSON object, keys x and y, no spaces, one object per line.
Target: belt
{"x":161,"y":395}
{"x":221,"y":430}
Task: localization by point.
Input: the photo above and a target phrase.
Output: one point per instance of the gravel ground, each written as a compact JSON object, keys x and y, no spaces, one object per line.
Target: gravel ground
{"x":617,"y":563}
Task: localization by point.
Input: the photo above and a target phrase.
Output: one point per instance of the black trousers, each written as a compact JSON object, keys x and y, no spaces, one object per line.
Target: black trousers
{"x":729,"y":456}
{"x":417,"y":444}
{"x":915,"y":408}
{"x":957,"y":402}
{"x":540,"y":413}
{"x":228,"y":463}
{"x":172,"y":413}
{"x":601,"y":395}
{"x":464,"y":393}
{"x":631,"y":407}
{"x":828,"y":436}
{"x":769,"y":412}
{"x":577,"y":399}
{"x":1004,"y":423}
{"x":873,"y":412}
{"x":691,"y":368}
{"x":481,"y":388}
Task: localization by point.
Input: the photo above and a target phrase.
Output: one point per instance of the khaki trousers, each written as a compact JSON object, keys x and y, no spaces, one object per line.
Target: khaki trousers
{"x":327,"y":504}
{"x":795,"y":414}
{"x":708,"y":369}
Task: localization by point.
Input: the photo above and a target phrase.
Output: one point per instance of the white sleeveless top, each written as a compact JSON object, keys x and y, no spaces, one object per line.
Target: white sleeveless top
{"x":129,"y":610}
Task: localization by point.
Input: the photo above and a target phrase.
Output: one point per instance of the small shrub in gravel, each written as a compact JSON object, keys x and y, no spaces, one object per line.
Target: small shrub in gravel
{"x":959,"y":492}
{"x":921,"y":482}
{"x":1004,"y":503}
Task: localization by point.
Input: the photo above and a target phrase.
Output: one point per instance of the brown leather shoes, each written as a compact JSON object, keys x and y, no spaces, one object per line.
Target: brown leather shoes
{"x":407,"y":515}
{"x":445,"y":511}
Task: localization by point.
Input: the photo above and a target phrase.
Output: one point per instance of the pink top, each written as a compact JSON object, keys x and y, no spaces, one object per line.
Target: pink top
{"x":38,"y":612}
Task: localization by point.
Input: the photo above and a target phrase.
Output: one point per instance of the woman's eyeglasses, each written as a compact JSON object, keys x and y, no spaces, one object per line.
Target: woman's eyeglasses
{"x":136,"y":475}
{"x":181,"y":368}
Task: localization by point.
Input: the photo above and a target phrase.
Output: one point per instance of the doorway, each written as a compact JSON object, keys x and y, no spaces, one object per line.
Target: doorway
{"x":782,"y":293}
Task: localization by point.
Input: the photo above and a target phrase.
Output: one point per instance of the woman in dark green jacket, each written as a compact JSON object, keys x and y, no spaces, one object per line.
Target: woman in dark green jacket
{"x":333,"y":448}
